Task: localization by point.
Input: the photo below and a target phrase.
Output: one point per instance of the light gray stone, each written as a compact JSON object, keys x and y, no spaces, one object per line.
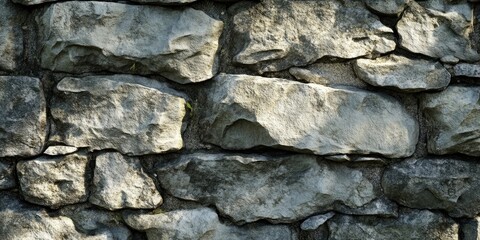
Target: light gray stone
{"x":449,"y":59}
{"x":328,"y":74}
{"x":403,"y":74}
{"x":59,"y":150}
{"x":105,"y":112}
{"x":411,"y":224}
{"x":19,"y":220}
{"x":120,"y":182}
{"x":248,"y":111}
{"x":23,"y":118}
{"x":436,"y":33}
{"x":279,"y":189}
{"x":470,"y":229}
{"x":202,"y":223}
{"x":159,"y":2}
{"x":316,"y":221}
{"x":453,"y":118}
{"x":381,"y":206}
{"x":391,"y":7}
{"x":277,"y":34}
{"x":467,"y":70}
{"x":7,"y":174}
{"x":452,"y":7}
{"x":12,"y":18}
{"x":448,"y":184}
{"x":180,"y":45}
{"x":54,"y":181}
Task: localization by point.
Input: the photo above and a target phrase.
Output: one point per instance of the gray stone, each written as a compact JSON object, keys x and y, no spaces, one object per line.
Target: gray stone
{"x":248,"y":111}
{"x":381,"y":206}
{"x":12,"y":18}
{"x":467,"y":70}
{"x":329,"y":74}
{"x":54,"y":181}
{"x":105,"y":112}
{"x":449,"y":59}
{"x":160,"y":2}
{"x":180,"y":45}
{"x":403,"y":74}
{"x":453,"y":118}
{"x":19,"y":220}
{"x":7,"y":174}
{"x":279,"y":189}
{"x":202,"y":223}
{"x":436,"y":33}
{"x":59,"y":150}
{"x":23,"y":119}
{"x":448,"y":184}
{"x":90,"y":219}
{"x":277,"y":34}
{"x":452,"y":7}
{"x":413,"y":224}
{"x":120,"y":182}
{"x":316,"y":221}
{"x":470,"y":229}
{"x":391,"y":7}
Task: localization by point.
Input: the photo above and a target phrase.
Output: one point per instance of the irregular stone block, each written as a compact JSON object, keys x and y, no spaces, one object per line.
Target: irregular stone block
{"x":276,"y":34}
{"x":12,"y":18}
{"x":180,"y":45}
{"x":54,"y":181}
{"x":471,"y":229}
{"x":413,"y":224}
{"x":160,"y":2}
{"x":279,"y":189}
{"x":7,"y":177}
{"x":448,"y":184}
{"x":120,"y":182}
{"x":403,"y":74}
{"x":436,"y":33}
{"x":394,"y":7}
{"x":59,"y":150}
{"x":23,"y":119}
{"x":328,"y":74}
{"x":104,"y":112}
{"x":202,"y":223}
{"x":316,"y":221}
{"x":467,"y":70}
{"x":247,"y":111}
{"x":381,"y":206}
{"x":453,"y":118}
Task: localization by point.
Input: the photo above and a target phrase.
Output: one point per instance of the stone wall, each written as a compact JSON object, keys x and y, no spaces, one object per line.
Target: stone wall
{"x":273,"y":119}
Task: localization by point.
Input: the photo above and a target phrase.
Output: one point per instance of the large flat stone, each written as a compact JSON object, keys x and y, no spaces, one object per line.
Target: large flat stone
{"x":453,"y":118}
{"x":202,"y":223}
{"x":12,"y":19}
{"x":114,"y":112}
{"x":180,"y":44}
{"x":276,"y":34}
{"x":23,"y":118}
{"x":247,"y":111}
{"x":411,"y":224}
{"x":437,"y":31}
{"x":54,"y":181}
{"x":448,"y":184}
{"x":279,"y":189}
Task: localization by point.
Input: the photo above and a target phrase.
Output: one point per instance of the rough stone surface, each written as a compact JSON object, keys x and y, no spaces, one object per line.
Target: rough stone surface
{"x":471,"y":229}
{"x":453,"y":118}
{"x":160,"y":2}
{"x":316,"y":221}
{"x":59,"y":150}
{"x":414,"y":224}
{"x":120,"y":182}
{"x":180,"y":45}
{"x":19,"y":220}
{"x":329,"y":74}
{"x":394,"y":7}
{"x":448,"y":184}
{"x":248,"y":111}
{"x":276,"y":34}
{"x":381,"y":206}
{"x":401,"y":73}
{"x":23,"y":118}
{"x":202,"y":223}
{"x":253,"y":187}
{"x":436,"y":33}
{"x":103,"y":112}
{"x":54,"y":181}
{"x":11,"y":45}
{"x":467,"y":70}
{"x":7,"y":177}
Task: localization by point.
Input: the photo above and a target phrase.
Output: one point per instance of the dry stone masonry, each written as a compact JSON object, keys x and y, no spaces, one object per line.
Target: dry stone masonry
{"x":240,"y":119}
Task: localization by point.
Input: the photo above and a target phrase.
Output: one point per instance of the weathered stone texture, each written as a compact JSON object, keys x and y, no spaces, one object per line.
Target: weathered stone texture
{"x":280,"y":189}
{"x":120,"y":182}
{"x":392,"y":7}
{"x":54,"y":181}
{"x":467,"y":70}
{"x":59,"y":150}
{"x":160,"y":2}
{"x":12,"y":19}
{"x":23,"y":117}
{"x":79,"y":37}
{"x":275,"y":35}
{"x":104,"y":112}
{"x":247,"y":111}
{"x":453,"y":118}
{"x":7,"y":177}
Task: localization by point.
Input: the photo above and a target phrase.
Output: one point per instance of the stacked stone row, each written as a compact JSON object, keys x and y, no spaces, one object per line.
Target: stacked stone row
{"x":249,"y":120}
